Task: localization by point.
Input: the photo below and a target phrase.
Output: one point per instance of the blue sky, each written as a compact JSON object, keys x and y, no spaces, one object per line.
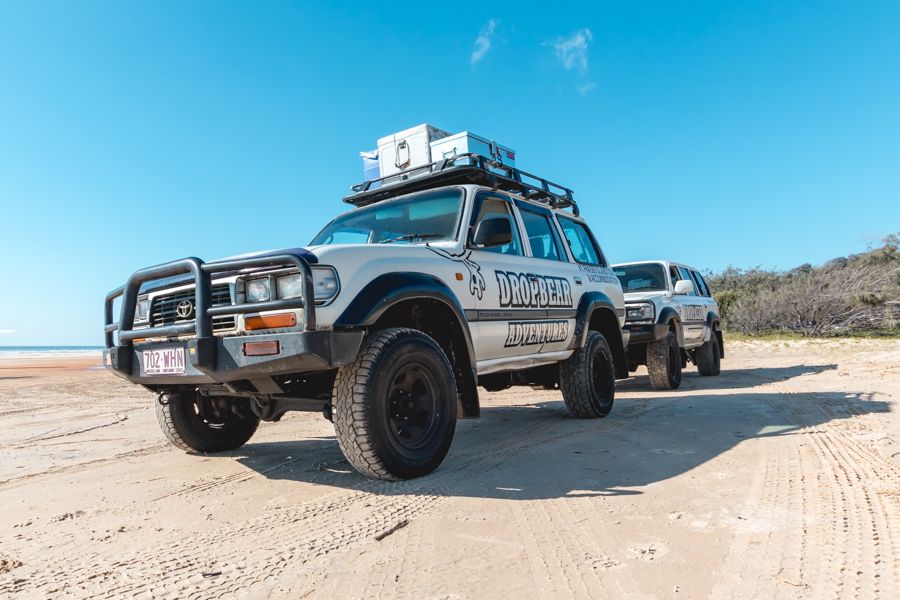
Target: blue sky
{"x":717,"y":133}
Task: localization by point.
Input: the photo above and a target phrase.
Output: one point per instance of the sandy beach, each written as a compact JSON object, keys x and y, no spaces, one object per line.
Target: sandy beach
{"x":780,"y":478}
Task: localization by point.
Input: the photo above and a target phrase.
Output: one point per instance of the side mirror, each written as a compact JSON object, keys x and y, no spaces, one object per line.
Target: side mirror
{"x":493,"y":232}
{"x":683,"y":287}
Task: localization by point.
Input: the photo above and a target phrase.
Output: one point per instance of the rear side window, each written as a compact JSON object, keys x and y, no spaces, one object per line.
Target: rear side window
{"x":701,"y":284}
{"x":581,"y":242}
{"x":542,"y":237}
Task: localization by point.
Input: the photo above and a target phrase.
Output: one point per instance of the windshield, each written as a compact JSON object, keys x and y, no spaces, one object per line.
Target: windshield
{"x":427,"y":217}
{"x":647,"y":277}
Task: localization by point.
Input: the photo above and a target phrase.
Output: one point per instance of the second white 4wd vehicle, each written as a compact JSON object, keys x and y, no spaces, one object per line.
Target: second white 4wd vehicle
{"x":672,"y":318}
{"x":457,"y":274}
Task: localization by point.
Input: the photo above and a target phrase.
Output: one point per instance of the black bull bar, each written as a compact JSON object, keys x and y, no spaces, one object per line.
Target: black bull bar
{"x":202,"y":348}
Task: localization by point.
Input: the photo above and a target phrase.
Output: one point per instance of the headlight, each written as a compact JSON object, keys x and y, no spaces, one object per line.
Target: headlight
{"x":639,"y":312}
{"x":258,"y":290}
{"x":289,"y":286}
{"x":325,"y":283}
{"x":143,"y":310}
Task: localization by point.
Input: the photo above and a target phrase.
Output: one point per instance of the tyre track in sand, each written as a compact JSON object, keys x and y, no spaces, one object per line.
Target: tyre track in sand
{"x":289,"y":537}
{"x":563,"y":560}
{"x":826,"y":507}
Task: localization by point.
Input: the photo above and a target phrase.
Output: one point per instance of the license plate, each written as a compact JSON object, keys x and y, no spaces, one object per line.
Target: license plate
{"x":163,"y":361}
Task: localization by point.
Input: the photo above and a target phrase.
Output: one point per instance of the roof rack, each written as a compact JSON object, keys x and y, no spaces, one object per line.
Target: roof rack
{"x":464,"y":168}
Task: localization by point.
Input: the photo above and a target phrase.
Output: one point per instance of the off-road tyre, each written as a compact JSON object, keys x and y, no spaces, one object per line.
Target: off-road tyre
{"x":708,"y":358}
{"x":588,"y":379}
{"x":181,"y":422}
{"x":664,"y":363}
{"x":385,"y":430}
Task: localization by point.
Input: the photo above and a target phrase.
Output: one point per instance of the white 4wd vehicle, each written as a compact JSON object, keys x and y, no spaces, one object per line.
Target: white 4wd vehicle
{"x":672,"y":318}
{"x":458,"y":275}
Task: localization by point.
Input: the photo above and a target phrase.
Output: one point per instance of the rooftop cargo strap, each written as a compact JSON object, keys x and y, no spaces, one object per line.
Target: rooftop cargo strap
{"x":464,"y":168}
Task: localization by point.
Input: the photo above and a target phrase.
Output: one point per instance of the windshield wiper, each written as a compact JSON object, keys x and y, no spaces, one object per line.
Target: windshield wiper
{"x":412,"y":236}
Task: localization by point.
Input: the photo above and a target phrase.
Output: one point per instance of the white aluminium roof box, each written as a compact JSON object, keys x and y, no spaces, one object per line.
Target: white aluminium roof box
{"x":470,"y":143}
{"x":407,"y":149}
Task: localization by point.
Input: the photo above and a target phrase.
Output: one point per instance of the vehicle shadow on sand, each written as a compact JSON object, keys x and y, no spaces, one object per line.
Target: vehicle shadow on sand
{"x":728,"y":380}
{"x":537,"y":451}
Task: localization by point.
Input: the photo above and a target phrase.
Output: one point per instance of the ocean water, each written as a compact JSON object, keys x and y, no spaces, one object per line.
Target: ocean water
{"x":18,"y":352}
{"x":51,"y":348}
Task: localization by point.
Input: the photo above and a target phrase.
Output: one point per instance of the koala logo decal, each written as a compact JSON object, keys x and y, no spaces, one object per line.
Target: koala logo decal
{"x":476,"y":279}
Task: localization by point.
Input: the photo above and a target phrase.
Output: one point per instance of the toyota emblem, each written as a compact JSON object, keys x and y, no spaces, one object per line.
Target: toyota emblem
{"x":184,"y":309}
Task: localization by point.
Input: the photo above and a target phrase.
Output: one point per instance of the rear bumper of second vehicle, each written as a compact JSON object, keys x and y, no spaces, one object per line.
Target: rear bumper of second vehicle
{"x":642,"y":333}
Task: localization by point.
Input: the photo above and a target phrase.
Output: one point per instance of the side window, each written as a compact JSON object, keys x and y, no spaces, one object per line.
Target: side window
{"x":542,"y":236}
{"x":495,"y":208}
{"x":581,"y":243}
{"x":701,"y":284}
{"x":685,"y":274}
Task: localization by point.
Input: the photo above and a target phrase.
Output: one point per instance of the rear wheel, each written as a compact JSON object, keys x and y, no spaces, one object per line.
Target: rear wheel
{"x":708,"y":357}
{"x":395,"y":406}
{"x":664,"y":363}
{"x":588,"y":378}
{"x":203,"y":424}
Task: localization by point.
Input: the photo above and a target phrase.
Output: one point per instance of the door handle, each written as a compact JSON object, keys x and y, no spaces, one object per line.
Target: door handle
{"x":577,"y":280}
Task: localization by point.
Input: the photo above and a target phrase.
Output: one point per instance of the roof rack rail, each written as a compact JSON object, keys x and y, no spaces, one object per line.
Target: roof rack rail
{"x":464,"y":168}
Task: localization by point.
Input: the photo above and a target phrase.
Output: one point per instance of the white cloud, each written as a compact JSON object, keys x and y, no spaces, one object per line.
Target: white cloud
{"x":586,"y":87}
{"x":572,"y":51}
{"x":483,"y":41}
{"x":8,"y":331}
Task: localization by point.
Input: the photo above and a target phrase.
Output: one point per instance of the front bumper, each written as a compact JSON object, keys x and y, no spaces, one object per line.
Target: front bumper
{"x":213,"y":359}
{"x":642,"y":333}
{"x":224,"y":360}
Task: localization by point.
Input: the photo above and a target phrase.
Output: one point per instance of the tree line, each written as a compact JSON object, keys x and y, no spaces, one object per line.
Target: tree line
{"x":858,"y":294}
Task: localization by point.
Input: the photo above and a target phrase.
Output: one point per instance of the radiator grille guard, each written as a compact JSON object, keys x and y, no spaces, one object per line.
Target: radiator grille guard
{"x":164,"y":309}
{"x":213,"y":307}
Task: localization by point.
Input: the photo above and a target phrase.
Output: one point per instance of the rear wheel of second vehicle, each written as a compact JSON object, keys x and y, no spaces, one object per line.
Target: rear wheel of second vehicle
{"x":664,"y":363}
{"x":588,"y":378}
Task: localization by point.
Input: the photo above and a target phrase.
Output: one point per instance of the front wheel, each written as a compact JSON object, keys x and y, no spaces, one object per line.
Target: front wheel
{"x":588,"y":379}
{"x":708,"y":357}
{"x":664,"y":363}
{"x":203,"y":424}
{"x":395,"y":406}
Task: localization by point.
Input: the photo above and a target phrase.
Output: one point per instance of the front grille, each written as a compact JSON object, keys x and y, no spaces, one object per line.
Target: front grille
{"x":164,"y":308}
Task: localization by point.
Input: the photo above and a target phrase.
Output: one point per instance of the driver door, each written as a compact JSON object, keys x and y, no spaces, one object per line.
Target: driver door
{"x":512,"y":317}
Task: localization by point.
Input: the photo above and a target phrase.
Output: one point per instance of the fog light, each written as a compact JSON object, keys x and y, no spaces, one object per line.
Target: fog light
{"x":261,"y":348}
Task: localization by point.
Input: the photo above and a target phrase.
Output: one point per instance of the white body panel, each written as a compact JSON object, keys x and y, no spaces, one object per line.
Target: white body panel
{"x":693,"y":309}
{"x":508,"y":331}
{"x":520,"y":310}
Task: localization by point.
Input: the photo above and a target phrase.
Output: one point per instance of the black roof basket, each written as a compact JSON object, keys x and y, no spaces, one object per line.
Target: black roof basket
{"x":464,"y":168}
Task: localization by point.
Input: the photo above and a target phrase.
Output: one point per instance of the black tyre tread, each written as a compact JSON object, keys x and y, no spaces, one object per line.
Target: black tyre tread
{"x":707,"y":357}
{"x":177,"y":432}
{"x":349,"y":411}
{"x":658,"y":363}
{"x":575,"y":379}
